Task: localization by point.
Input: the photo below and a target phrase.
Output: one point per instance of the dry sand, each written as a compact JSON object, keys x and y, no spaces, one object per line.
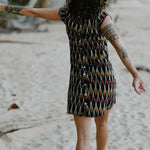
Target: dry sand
{"x":38,"y":74}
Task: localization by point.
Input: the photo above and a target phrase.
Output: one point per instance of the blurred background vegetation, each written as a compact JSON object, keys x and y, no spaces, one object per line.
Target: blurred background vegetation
{"x":38,"y":3}
{"x":10,"y":22}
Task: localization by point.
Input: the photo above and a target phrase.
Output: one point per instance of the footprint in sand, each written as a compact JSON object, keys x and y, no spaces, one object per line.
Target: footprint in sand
{"x":141,"y":115}
{"x":59,"y":146}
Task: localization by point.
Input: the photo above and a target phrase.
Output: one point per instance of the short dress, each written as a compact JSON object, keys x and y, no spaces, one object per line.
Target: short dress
{"x":92,"y":84}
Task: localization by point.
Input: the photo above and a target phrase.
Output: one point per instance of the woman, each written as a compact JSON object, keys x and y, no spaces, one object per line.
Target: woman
{"x":92,"y":85}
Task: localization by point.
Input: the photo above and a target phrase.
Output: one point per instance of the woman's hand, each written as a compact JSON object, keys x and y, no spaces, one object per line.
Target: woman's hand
{"x":138,"y":85}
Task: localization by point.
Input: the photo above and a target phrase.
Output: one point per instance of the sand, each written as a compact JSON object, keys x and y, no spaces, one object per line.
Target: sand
{"x":36,"y":76}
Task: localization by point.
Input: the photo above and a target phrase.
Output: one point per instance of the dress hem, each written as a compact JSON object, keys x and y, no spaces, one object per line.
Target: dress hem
{"x":83,"y":114}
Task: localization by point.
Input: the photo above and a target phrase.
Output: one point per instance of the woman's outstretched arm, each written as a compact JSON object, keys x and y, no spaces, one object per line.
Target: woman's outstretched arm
{"x":46,"y":13}
{"x":109,"y":31}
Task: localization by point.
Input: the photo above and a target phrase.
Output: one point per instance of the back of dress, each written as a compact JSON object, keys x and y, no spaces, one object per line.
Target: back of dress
{"x":92,"y":85}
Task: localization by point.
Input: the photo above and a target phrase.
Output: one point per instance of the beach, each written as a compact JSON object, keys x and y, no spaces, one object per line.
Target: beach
{"x":34,"y":74}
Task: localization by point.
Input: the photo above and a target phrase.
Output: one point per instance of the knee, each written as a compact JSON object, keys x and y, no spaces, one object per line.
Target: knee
{"x":84,"y":140}
{"x":84,"y":137}
{"x":100,"y":124}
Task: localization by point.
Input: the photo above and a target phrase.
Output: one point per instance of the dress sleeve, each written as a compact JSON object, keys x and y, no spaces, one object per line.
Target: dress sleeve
{"x":101,"y":16}
{"x":63,"y":12}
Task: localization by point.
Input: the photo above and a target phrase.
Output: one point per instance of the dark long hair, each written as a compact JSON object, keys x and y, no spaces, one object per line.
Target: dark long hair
{"x":84,"y":8}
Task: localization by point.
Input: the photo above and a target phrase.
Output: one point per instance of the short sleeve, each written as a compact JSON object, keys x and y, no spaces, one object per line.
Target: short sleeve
{"x":101,"y":16}
{"x":63,"y":12}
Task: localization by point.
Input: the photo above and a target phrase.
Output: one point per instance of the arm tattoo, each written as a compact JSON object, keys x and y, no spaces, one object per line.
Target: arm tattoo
{"x":124,"y":53}
{"x":110,"y":32}
{"x":14,"y":9}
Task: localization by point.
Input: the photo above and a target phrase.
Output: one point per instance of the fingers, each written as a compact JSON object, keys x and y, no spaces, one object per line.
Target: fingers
{"x":139,"y":89}
{"x":135,"y":87}
{"x":142,"y":86}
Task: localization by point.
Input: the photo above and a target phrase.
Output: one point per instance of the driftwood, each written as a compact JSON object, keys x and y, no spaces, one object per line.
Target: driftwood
{"x":140,"y":67}
{"x":18,"y":42}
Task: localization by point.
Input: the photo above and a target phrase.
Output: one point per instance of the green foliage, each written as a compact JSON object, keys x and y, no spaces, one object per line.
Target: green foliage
{"x":10,"y":15}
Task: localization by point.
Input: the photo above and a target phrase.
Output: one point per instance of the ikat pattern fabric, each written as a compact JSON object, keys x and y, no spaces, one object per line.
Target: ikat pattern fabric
{"x":92,"y":84}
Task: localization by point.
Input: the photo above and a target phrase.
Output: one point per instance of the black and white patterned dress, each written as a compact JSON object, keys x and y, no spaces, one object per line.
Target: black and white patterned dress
{"x":92,"y":85}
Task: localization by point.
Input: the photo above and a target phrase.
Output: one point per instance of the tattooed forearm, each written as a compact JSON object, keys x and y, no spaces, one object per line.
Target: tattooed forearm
{"x":14,"y":9}
{"x":110,"y":32}
{"x":124,"y":53}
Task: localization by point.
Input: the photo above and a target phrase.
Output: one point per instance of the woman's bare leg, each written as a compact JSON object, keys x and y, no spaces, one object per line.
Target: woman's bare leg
{"x":83,"y":128}
{"x":101,"y":130}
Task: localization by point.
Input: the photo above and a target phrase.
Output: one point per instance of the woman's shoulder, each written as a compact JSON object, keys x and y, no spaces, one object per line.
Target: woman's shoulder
{"x":63,"y":12}
{"x":102,"y":14}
